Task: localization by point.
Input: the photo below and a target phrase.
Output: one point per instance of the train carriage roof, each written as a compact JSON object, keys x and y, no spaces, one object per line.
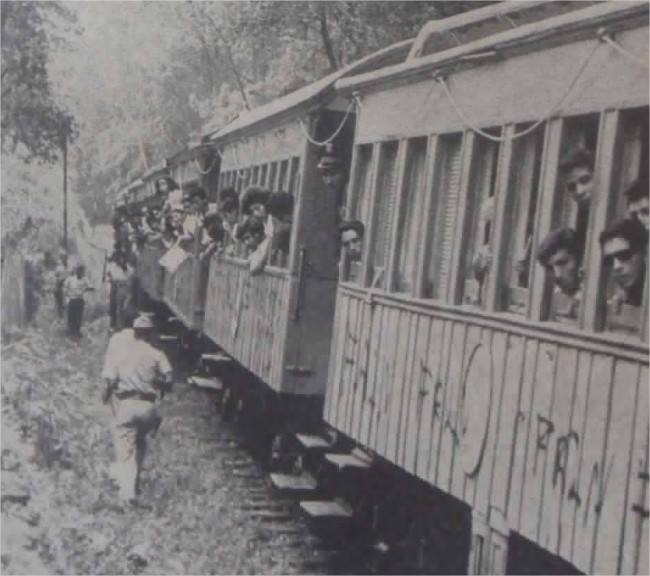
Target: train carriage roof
{"x":531,"y":34}
{"x":312,"y":94}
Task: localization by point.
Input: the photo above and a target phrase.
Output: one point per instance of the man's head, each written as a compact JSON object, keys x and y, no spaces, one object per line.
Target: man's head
{"x":624,"y":246}
{"x":251,"y":233}
{"x":352,"y":233}
{"x":577,"y":170}
{"x":80,"y":270}
{"x":280,"y":205}
{"x":254,"y":202}
{"x":230,"y":210}
{"x":198,"y":200}
{"x":143,"y":327}
{"x":560,"y":255}
{"x":332,"y":170}
{"x":228,"y":193}
{"x":177,"y":215}
{"x":165,"y":184}
{"x":638,"y":201}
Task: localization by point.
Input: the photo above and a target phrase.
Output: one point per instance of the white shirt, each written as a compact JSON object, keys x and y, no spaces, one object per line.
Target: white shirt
{"x":134,"y":363}
{"x":75,"y":287}
{"x":116,"y":273}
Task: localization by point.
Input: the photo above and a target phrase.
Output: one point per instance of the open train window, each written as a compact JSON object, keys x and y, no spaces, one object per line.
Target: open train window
{"x":273,"y":170}
{"x":383,"y":216}
{"x":476,"y":255}
{"x":256,"y":175}
{"x":263,"y":175}
{"x":440,"y":231}
{"x":519,"y":219}
{"x":408,"y":229}
{"x":563,"y":250}
{"x":284,"y":173}
{"x":625,"y":245}
{"x":360,"y":211}
{"x":294,"y":176}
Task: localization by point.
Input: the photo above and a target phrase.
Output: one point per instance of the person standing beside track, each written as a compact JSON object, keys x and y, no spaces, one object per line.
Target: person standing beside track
{"x":135,"y":373}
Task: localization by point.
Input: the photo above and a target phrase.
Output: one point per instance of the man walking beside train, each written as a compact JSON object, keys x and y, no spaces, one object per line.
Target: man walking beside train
{"x":136,"y":375}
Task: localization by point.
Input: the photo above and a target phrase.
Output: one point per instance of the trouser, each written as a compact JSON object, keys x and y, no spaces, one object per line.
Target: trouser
{"x":75,"y":315}
{"x":133,"y":420}
{"x":58,"y":298}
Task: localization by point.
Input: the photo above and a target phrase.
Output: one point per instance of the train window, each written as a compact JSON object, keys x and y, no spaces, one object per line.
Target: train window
{"x":294,"y":176}
{"x":284,"y":170}
{"x":519,"y":220}
{"x":624,"y":244}
{"x":263,"y":174}
{"x":412,"y":199}
{"x":445,"y":190}
{"x":384,"y":204}
{"x":272,"y":175}
{"x":360,"y":210}
{"x":476,"y":258}
{"x":256,"y":174}
{"x":562,"y":250}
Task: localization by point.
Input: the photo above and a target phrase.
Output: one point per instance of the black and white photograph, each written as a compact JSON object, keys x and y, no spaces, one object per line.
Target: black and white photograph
{"x":324,"y":287}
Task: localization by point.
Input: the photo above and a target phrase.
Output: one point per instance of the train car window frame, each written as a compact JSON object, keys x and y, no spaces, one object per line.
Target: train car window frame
{"x":294,"y":176}
{"x":376,"y":277}
{"x":283,"y":175}
{"x":263,"y":175}
{"x":409,"y":204}
{"x":273,"y":171}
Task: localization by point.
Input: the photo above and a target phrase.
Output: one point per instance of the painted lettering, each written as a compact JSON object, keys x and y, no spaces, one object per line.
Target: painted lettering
{"x":562,"y":449}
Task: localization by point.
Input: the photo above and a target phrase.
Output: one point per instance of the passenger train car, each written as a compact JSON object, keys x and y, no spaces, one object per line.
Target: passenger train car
{"x":445,"y":351}
{"x":455,"y":371}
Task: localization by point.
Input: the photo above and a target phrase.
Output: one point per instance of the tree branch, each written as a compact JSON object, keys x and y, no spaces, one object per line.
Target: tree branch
{"x":325,"y":36}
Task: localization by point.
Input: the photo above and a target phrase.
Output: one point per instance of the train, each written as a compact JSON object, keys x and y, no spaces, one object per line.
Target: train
{"x":437,"y":354}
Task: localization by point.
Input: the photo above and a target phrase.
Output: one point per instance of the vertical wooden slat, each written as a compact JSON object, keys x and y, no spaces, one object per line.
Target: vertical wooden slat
{"x":397,"y":384}
{"x":539,"y":437}
{"x":456,"y":273}
{"x":558,"y":441}
{"x":611,"y":517}
{"x":354,"y":368}
{"x":449,"y":439}
{"x":361,"y":376}
{"x":594,"y":301}
{"x":382,"y":380}
{"x":373,"y":369}
{"x":408,"y":387}
{"x":348,"y":351}
{"x":429,"y":366}
{"x":499,"y":351}
{"x":421,"y":388}
{"x":334,"y":363}
{"x":634,"y":537}
{"x":546,"y":206}
{"x":352,"y":195}
{"x":439,"y":413}
{"x":593,"y":470}
{"x":523,"y":415}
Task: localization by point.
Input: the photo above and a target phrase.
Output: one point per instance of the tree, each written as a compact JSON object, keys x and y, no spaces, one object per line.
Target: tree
{"x":31,"y":117}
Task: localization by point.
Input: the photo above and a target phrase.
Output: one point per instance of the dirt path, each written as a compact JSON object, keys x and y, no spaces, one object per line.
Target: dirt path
{"x":202,"y":493}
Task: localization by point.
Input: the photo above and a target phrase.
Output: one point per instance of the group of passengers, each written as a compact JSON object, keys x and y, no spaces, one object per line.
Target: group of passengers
{"x":623,"y":244}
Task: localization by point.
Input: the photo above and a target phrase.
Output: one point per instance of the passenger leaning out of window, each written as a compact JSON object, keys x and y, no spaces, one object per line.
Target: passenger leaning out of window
{"x":577,"y":171}
{"x":624,"y":246}
{"x":638,"y":201}
{"x":278,"y":226}
{"x":352,"y":232}
{"x":560,"y":255}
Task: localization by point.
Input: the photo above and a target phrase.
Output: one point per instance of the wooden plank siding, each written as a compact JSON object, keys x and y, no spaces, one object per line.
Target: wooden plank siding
{"x":566,"y":426}
{"x":149,"y":272}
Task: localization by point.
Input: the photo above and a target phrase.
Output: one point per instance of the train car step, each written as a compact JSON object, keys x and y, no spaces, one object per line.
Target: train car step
{"x":291,"y":483}
{"x":313,"y":442}
{"x":326,"y":509}
{"x":206,"y":383}
{"x":356,"y":459}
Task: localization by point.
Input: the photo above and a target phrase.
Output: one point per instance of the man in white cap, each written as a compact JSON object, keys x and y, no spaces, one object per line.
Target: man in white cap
{"x":136,"y":373}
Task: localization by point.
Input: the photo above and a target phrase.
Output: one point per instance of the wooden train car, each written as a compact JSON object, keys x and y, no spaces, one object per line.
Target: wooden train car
{"x":277,"y":324}
{"x":149,"y":272}
{"x":184,"y":289}
{"x":447,"y":360}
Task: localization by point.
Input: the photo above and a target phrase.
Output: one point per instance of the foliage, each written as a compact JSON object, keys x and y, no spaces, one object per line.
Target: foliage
{"x":31,"y":117}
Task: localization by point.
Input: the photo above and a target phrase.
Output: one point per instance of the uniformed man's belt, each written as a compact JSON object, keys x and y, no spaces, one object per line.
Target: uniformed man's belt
{"x":147,"y":396}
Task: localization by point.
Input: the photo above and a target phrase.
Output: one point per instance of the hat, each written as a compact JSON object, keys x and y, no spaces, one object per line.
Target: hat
{"x":143,"y":323}
{"x":329,"y":160}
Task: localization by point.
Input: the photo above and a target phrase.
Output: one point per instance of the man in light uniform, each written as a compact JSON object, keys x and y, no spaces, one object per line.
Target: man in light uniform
{"x":135,"y":374}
